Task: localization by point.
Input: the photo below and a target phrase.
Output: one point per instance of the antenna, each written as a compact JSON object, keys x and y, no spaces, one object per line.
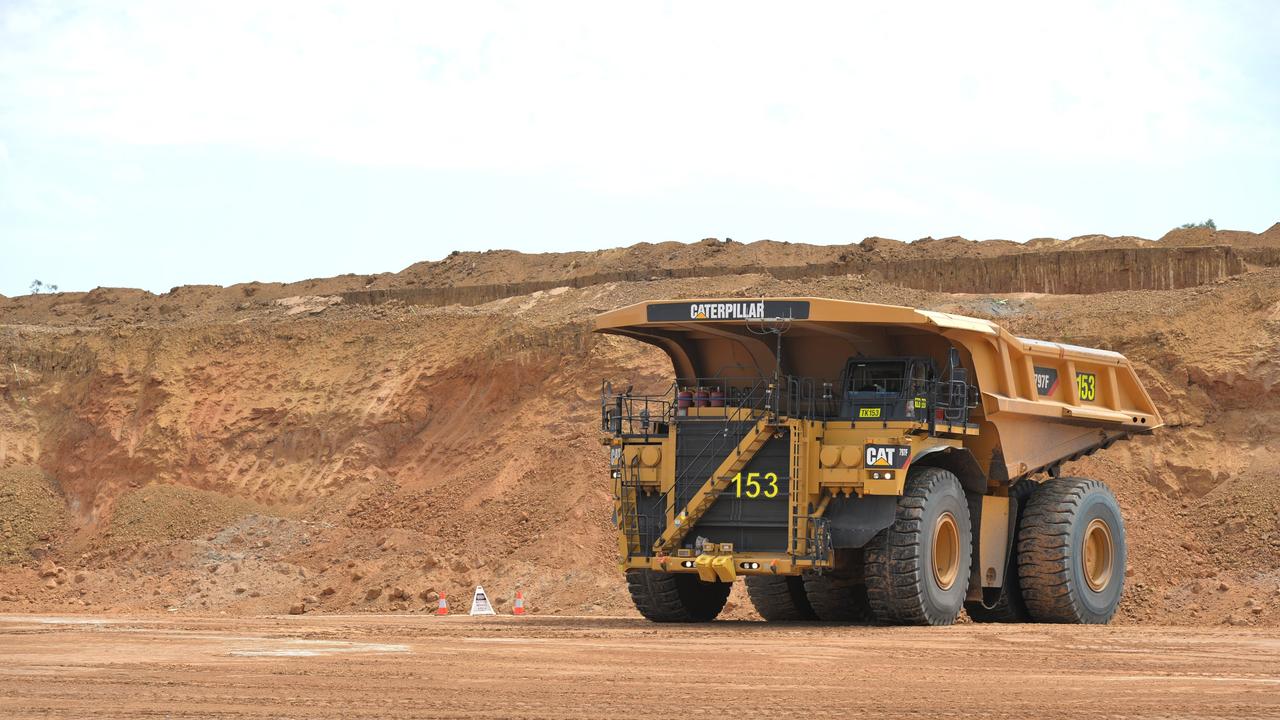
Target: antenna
{"x":777,"y":326}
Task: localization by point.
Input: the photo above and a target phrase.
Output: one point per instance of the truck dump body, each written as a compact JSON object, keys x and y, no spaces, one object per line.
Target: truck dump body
{"x":1048,"y":401}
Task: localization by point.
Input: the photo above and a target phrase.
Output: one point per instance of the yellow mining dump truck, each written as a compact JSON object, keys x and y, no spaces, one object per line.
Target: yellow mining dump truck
{"x":863,"y":462}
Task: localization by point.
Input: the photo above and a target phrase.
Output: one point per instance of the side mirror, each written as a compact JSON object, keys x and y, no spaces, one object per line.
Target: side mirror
{"x":956,"y":371}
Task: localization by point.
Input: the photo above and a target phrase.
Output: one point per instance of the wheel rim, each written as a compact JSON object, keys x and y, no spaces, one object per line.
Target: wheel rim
{"x":946,"y":551}
{"x":1098,"y":552}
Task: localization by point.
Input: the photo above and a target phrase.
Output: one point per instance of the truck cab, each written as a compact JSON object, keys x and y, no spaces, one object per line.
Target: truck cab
{"x":892,"y":388}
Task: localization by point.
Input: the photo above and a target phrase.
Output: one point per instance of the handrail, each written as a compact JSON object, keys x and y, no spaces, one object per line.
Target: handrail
{"x":933,"y":402}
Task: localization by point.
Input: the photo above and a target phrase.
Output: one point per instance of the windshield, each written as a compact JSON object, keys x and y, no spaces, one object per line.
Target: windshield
{"x":880,"y":377}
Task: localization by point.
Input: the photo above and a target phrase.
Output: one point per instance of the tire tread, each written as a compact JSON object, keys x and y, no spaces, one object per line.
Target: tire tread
{"x":779,"y":598}
{"x":894,"y":558}
{"x":1046,"y":550}
{"x":670,"y":597}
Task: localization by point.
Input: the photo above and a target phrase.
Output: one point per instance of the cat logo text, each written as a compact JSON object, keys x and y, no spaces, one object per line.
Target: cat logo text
{"x":887,"y":456}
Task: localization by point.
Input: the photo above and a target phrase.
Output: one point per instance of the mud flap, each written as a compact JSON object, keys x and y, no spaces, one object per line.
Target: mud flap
{"x":994,"y":539}
{"x":855,"y":520}
{"x":995,"y":523}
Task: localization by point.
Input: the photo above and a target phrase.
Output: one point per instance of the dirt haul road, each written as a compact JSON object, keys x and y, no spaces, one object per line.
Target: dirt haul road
{"x":559,"y":667}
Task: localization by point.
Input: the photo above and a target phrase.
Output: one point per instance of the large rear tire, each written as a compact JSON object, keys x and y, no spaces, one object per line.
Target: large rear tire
{"x":1009,"y":606}
{"x":676,"y":597}
{"x":917,"y":570}
{"x":780,"y":598}
{"x":1072,"y":553}
{"x":840,"y":594}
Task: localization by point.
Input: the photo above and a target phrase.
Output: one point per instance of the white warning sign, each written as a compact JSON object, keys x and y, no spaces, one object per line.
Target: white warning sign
{"x":480,"y":603}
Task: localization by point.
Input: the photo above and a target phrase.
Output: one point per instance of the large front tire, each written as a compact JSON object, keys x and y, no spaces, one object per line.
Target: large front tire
{"x":676,"y":597}
{"x":1072,"y":553}
{"x":917,"y":570}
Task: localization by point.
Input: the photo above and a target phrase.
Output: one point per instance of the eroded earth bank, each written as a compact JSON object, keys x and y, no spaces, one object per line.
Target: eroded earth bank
{"x":363,"y":443}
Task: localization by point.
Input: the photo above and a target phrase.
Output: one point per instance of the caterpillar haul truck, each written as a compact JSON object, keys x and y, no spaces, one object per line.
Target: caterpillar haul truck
{"x":863,"y":462}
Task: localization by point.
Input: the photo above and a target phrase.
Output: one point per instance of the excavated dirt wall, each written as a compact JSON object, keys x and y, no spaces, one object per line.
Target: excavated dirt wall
{"x":1265,"y":257}
{"x":1068,"y":271}
{"x":1071,"y":271}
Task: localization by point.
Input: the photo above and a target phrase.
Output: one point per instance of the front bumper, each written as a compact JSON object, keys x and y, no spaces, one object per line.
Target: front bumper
{"x":726,"y":567}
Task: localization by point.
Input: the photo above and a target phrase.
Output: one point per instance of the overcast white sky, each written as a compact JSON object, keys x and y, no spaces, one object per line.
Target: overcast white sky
{"x":156,"y":143}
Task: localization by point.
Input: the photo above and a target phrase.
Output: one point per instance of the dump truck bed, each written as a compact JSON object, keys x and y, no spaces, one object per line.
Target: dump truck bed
{"x":1040,"y":403}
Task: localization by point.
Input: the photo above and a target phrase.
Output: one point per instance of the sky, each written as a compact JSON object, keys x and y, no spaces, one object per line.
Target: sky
{"x":158,"y":143}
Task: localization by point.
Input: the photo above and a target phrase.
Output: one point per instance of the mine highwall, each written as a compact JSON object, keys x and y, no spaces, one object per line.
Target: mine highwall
{"x":1060,"y":272}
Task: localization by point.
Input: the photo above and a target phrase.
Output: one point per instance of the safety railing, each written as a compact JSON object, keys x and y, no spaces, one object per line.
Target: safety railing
{"x":625,"y":414}
{"x":934,"y":402}
{"x":925,"y":401}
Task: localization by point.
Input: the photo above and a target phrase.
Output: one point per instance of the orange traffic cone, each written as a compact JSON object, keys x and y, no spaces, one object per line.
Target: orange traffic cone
{"x":518,"y":608}
{"x":443,"y":608}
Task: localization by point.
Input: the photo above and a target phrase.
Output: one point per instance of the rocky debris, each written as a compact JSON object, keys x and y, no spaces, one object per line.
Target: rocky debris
{"x":31,"y":509}
{"x":161,"y":513}
{"x":372,"y":593}
{"x":308,"y":304}
{"x":297,"y":608}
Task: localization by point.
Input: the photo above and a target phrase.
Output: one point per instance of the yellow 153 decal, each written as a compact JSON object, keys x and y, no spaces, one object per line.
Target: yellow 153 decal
{"x":1087,"y":385}
{"x":754,"y":488}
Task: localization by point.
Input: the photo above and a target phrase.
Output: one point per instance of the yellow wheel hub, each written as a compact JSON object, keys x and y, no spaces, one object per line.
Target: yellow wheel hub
{"x":946,"y":551}
{"x":1098,"y":551}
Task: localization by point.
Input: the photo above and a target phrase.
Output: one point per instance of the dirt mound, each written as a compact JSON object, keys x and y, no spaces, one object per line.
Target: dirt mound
{"x":1183,"y":258}
{"x":1212,"y":236}
{"x":162,"y":514}
{"x":712,"y":257}
{"x":31,"y":511}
